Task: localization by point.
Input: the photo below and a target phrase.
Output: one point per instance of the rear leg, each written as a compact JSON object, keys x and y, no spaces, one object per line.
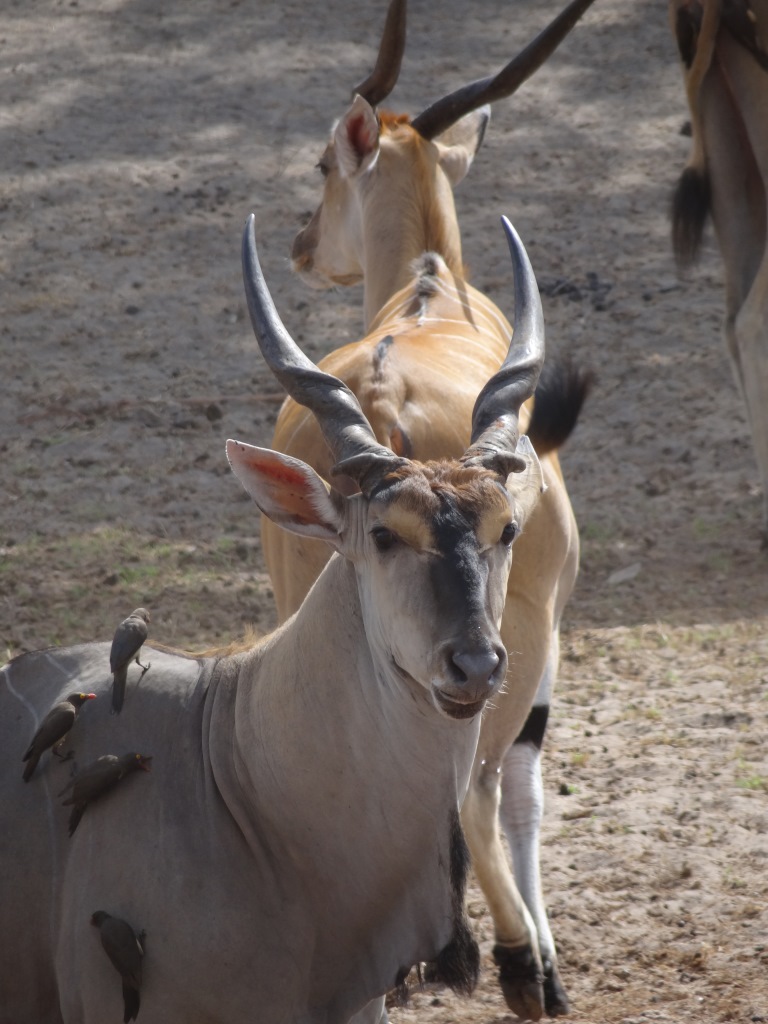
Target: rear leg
{"x":748,"y":343}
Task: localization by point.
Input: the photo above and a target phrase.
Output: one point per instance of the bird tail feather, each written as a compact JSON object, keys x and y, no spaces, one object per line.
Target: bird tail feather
{"x":131,"y":1002}
{"x":118,"y":690}
{"x":31,"y":759}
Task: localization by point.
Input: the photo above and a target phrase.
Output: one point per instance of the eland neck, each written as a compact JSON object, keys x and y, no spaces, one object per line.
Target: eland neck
{"x":409,"y":211}
{"x":317,"y":744}
{"x":336,"y":733}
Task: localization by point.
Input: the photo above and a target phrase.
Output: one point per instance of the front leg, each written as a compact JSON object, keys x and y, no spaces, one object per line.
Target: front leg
{"x":521,"y":813}
{"x":522,"y":808}
{"x":516,"y":950}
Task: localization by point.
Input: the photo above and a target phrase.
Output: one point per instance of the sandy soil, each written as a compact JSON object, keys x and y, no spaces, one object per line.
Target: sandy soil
{"x":134,"y":139}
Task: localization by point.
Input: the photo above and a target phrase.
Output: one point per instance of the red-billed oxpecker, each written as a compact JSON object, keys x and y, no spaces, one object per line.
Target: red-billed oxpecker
{"x":54,"y":730}
{"x":126,"y":645}
{"x":125,"y":950}
{"x":98,"y":778}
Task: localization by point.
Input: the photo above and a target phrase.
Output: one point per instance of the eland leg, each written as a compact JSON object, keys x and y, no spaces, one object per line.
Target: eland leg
{"x":747,"y":337}
{"x":734,"y":104}
{"x":521,"y":812}
{"x":515,"y":952}
{"x":526,"y":629}
{"x":542,"y":578}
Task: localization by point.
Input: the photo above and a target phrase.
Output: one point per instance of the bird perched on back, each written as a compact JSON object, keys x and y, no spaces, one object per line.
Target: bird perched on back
{"x":53,"y":730}
{"x":125,"y":949}
{"x":96,"y":779}
{"x":126,"y":644}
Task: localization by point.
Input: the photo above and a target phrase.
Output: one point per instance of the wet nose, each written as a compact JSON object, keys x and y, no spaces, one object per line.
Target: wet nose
{"x":477,"y":668}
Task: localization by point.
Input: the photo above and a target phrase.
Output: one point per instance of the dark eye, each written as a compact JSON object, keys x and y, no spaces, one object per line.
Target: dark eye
{"x":509,"y":533}
{"x":383,"y":538}
{"x":323,"y":168}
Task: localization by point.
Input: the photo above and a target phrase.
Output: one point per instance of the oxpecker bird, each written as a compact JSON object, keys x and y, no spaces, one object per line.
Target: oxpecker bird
{"x":126,"y":644}
{"x":96,"y":779}
{"x":53,"y":730}
{"x":124,"y":948}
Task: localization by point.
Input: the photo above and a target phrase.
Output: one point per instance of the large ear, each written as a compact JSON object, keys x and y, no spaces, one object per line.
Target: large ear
{"x":459,"y":144}
{"x":526,"y":486}
{"x":356,"y":137}
{"x":288,"y":491}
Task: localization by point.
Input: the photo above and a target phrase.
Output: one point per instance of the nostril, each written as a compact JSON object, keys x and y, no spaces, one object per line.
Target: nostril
{"x":476,"y":667}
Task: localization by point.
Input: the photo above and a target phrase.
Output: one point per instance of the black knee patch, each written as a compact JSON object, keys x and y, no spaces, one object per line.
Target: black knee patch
{"x":535,"y":726}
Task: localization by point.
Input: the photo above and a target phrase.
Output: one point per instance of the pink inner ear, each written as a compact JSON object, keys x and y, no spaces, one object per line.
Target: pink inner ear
{"x":264,"y":463}
{"x":359,"y":138}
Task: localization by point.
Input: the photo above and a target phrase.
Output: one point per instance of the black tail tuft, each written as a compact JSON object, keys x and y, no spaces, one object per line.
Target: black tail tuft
{"x":558,"y":399}
{"x":690,"y":207}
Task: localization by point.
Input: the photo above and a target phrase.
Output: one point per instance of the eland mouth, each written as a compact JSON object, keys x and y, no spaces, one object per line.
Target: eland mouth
{"x":455,"y":708}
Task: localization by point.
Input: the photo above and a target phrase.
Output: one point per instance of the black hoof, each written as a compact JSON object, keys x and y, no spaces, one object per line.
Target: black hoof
{"x":521,"y":980}
{"x":555,"y":999}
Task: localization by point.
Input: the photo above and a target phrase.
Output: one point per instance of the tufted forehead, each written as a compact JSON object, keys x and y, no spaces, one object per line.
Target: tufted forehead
{"x":431,"y":506}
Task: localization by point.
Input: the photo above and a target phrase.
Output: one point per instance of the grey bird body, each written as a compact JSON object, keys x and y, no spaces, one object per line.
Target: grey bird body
{"x":126,"y":644}
{"x":53,"y":730}
{"x":98,"y":778}
{"x":124,"y":948}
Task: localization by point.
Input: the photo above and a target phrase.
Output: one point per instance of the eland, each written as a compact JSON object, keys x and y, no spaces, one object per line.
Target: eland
{"x":724,"y":52}
{"x":298,"y":845}
{"x":387,"y":219}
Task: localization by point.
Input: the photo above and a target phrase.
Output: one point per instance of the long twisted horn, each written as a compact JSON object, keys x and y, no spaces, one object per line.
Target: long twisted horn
{"x":495,"y":416}
{"x":346,"y":430}
{"x":447,"y":111}
{"x":381,"y":81}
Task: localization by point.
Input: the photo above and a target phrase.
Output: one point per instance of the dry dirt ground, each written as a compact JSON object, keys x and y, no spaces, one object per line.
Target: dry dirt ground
{"x":134,"y":139}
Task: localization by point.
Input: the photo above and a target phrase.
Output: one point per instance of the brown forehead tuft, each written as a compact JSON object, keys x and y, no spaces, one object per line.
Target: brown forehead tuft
{"x":446,"y":476}
{"x":391,"y":120}
{"x":420,"y":494}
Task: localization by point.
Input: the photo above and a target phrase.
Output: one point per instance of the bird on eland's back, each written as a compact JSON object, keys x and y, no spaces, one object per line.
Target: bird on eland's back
{"x":124,"y":948}
{"x":54,"y":730}
{"x":126,"y":645}
{"x":96,"y":779}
